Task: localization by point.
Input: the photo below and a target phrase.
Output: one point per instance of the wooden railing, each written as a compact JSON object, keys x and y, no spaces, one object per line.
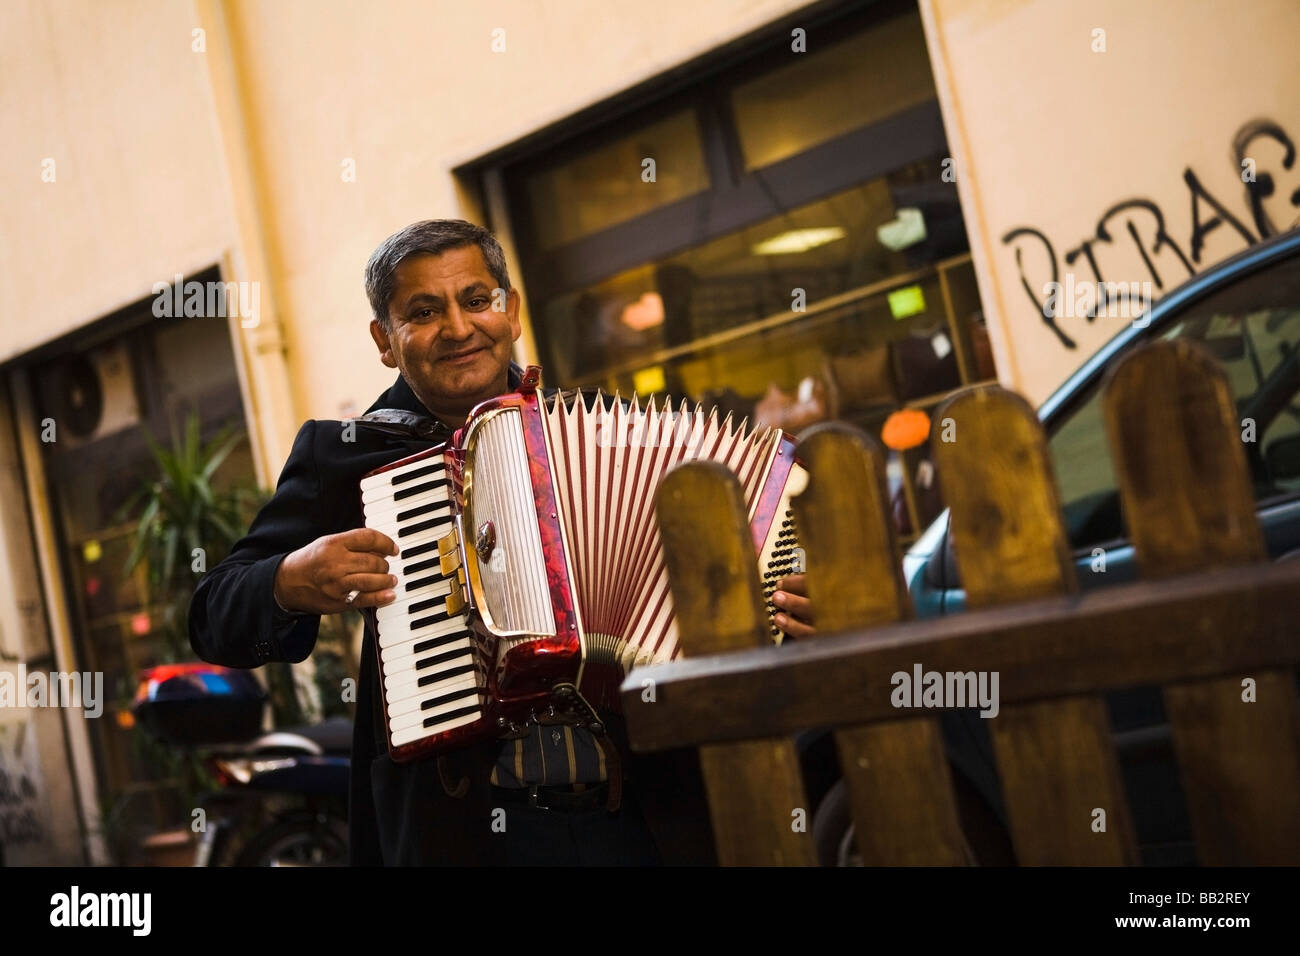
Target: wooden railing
{"x":1212,"y":623}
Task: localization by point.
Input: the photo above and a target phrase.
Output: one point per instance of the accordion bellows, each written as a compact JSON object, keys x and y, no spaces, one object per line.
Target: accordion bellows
{"x":538,"y":580}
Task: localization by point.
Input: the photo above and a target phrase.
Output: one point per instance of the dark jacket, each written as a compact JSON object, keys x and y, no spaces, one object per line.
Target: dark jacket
{"x":431,"y":811}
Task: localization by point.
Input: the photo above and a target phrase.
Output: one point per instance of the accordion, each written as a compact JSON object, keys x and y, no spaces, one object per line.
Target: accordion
{"x":531,"y":577}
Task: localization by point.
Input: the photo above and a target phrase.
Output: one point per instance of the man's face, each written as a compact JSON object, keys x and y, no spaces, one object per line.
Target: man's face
{"x":452,"y":348}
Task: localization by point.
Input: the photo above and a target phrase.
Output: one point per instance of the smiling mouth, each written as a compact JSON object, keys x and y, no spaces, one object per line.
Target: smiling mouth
{"x":456,"y":357}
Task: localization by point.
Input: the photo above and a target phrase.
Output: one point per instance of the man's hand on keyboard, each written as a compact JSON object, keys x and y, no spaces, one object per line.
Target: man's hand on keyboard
{"x":317,"y":579}
{"x":795,"y":614}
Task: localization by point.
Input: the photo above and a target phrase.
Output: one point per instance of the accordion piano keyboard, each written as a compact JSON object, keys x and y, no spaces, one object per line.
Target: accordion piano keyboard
{"x":432,"y":682}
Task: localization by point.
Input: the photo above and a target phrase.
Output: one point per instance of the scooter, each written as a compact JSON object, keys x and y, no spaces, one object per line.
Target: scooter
{"x":281,"y":798}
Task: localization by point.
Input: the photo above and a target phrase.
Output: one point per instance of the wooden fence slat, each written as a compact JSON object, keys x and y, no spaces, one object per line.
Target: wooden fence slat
{"x":1125,"y":635}
{"x":901,"y":793}
{"x":1055,"y":758}
{"x":755,"y":788}
{"x":900,"y":787}
{"x":1189,"y":504}
{"x":842,"y":517}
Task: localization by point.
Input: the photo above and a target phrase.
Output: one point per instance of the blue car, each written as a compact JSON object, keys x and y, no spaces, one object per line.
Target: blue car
{"x":1246,"y":311}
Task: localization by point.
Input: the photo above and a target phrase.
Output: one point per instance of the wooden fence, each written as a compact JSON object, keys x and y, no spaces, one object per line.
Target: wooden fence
{"x":1211,"y":622}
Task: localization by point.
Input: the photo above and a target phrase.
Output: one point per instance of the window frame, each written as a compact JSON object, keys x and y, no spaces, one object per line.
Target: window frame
{"x":736,"y":197}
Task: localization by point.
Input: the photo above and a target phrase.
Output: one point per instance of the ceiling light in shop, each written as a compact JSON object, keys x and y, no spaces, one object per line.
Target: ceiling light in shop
{"x":797,"y":240}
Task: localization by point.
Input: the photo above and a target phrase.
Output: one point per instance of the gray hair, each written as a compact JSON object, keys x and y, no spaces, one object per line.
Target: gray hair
{"x":428,"y":237}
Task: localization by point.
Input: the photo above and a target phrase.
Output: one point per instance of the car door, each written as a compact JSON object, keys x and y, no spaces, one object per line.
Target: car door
{"x":1251,"y":324}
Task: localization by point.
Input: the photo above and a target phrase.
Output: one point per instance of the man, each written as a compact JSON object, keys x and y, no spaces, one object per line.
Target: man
{"x":556,"y":796}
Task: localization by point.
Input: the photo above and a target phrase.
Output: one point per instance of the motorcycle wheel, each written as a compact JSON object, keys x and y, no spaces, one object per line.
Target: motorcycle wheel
{"x":301,"y":841}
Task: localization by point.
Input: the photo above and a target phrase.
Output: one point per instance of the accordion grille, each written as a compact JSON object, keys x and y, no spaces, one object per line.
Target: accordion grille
{"x":513,"y":579}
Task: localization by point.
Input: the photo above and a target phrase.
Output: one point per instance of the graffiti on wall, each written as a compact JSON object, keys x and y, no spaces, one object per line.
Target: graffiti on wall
{"x":22,"y":813}
{"x":1135,"y":233}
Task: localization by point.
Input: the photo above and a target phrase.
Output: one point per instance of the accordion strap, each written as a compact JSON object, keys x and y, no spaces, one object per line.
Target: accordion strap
{"x":407,"y":424}
{"x":400,"y":422}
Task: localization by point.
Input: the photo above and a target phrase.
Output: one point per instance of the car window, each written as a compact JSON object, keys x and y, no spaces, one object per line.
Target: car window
{"x":1252,"y":327}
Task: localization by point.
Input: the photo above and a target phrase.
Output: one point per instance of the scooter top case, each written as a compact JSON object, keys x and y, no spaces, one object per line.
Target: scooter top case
{"x":199,"y":704}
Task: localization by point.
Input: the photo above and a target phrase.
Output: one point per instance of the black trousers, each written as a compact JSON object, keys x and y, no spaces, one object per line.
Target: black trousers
{"x":446,"y":813}
{"x":533,"y":836}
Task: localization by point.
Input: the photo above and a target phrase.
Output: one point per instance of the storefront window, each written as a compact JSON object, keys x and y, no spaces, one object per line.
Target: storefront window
{"x":716,"y":313}
{"x":804,"y":233}
{"x":820,"y":95}
{"x":611,"y":183}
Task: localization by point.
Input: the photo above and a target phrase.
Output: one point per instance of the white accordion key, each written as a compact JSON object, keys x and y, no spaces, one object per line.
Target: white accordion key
{"x":431,"y":504}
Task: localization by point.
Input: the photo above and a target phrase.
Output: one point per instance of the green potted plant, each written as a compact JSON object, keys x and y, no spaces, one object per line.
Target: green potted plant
{"x":186,"y":525}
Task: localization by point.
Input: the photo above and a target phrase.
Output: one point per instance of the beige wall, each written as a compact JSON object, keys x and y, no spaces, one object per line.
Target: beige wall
{"x":112,"y":93}
{"x":1048,"y":134}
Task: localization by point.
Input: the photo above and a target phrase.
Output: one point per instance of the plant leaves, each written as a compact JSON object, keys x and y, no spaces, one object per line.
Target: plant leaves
{"x":216,"y":455}
{"x":181,"y":511}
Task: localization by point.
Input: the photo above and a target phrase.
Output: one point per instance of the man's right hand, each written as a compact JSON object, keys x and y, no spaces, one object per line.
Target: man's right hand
{"x":315,"y":579}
